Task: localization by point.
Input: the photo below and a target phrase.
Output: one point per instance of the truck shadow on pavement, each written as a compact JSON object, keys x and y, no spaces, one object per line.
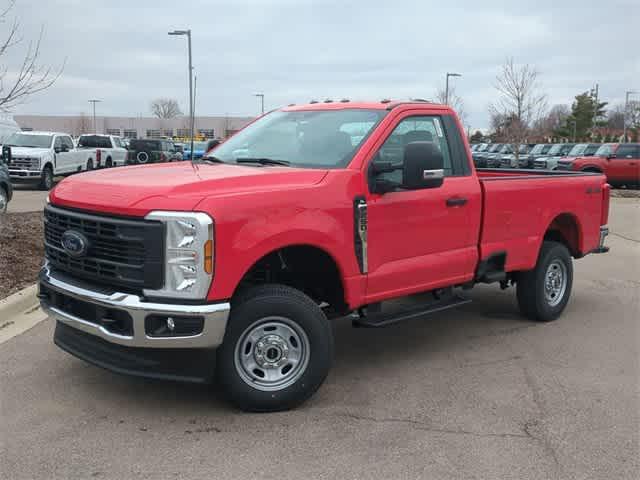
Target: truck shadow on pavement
{"x":361,"y":354}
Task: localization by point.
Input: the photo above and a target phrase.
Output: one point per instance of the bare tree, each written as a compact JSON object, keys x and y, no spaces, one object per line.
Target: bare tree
{"x":549,"y":125}
{"x":82,"y":125}
{"x":165,"y":108}
{"x":29,"y":77}
{"x":519,"y":101}
{"x":454,"y":101}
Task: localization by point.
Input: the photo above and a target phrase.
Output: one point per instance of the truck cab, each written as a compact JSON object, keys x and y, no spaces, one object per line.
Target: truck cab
{"x":232,"y":268}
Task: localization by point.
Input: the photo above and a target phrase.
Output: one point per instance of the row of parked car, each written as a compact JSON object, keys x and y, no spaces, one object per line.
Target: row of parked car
{"x":38,"y":157}
{"x":620,"y":162}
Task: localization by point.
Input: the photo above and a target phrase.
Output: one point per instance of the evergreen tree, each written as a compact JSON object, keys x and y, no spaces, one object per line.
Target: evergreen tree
{"x":582,"y":113}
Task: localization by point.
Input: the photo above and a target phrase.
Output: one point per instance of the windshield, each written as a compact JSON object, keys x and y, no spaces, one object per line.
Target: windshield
{"x":312,"y":138}
{"x":578,"y":150}
{"x":556,"y":149}
{"x":25,"y":140}
{"x":604,"y":150}
{"x":523,"y":149}
{"x":495,"y":147}
{"x":482,"y":147}
{"x":591,"y":149}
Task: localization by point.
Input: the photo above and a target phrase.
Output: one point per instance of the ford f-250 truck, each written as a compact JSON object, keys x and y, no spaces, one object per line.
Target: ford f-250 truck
{"x":229,"y":268}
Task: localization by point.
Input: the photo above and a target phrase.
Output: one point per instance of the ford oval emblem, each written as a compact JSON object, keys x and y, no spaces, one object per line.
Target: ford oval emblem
{"x":74,"y":243}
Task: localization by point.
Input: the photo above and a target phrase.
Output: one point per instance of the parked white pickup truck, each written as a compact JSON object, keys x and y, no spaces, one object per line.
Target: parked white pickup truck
{"x":110,"y":151}
{"x":39,"y":156}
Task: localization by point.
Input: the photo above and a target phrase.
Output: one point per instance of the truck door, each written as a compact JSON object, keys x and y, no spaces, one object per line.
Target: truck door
{"x":624,"y":167}
{"x":66,"y":155}
{"x":418,"y":240}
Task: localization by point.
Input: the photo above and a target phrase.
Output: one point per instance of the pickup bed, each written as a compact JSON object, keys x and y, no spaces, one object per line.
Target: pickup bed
{"x":310,"y":213}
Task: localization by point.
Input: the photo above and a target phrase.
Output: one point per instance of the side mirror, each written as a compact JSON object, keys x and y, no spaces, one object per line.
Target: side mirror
{"x":610,"y":156}
{"x":423,"y":166}
{"x":64,"y":148}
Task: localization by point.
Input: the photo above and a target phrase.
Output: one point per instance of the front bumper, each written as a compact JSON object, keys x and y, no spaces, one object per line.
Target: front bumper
{"x":24,"y":174}
{"x":93,"y":310}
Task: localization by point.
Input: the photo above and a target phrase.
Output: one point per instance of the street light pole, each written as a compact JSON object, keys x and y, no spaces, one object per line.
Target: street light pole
{"x":626,"y":111}
{"x":95,"y":127}
{"x":446,"y":90}
{"x":191,"y":119}
{"x":261,"y":96}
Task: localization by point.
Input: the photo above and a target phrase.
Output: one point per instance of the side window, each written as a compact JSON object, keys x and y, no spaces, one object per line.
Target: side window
{"x":413,"y":129}
{"x":116,"y":142}
{"x":67,"y":142}
{"x":626,"y":151}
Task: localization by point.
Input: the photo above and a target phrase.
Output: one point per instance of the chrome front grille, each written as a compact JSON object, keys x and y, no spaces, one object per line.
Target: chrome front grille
{"x":24,"y":163}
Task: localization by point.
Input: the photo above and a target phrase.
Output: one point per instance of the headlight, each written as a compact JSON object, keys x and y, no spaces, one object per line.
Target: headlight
{"x":188,"y":267}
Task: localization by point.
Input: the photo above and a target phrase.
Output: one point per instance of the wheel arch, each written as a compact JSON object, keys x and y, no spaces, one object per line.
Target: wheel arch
{"x":566,"y":229}
{"x":305,"y":266}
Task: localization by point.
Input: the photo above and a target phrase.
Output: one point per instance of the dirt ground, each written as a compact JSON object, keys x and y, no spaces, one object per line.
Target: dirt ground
{"x":21,"y":250}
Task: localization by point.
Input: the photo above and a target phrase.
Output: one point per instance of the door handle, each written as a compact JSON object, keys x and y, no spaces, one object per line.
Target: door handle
{"x":456,"y":202}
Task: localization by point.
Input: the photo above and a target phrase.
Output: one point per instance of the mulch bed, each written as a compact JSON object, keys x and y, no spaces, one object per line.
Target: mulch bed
{"x":21,"y":250}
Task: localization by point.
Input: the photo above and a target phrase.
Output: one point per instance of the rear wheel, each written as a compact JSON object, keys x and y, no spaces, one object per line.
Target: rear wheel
{"x":108,"y":163}
{"x":46,"y":178}
{"x":277,"y":349}
{"x":90,"y":164}
{"x":543,"y":293}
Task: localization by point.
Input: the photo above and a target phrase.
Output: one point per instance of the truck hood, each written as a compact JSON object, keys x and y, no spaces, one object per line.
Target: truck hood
{"x":137,"y":190}
{"x":29,"y":152}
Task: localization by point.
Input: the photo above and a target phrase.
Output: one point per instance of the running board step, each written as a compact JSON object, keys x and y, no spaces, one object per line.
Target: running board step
{"x":383,"y":319}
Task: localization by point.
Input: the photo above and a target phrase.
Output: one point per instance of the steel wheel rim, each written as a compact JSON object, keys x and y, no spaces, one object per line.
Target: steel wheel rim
{"x":555,"y":283}
{"x":272,"y":353}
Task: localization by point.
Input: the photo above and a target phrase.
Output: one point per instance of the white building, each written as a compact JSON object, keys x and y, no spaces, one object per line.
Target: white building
{"x":134,"y":127}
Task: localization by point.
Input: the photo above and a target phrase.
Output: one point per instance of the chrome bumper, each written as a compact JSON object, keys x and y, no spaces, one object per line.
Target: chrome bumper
{"x":215,"y":315}
{"x":18,"y":174}
{"x":604,"y":231}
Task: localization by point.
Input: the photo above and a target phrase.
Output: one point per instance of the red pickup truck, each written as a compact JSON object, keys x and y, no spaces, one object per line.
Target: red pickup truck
{"x":620,"y":162}
{"x":311,"y":212}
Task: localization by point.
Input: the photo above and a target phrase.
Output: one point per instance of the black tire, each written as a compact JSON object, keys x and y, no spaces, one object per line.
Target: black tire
{"x":108,"y":163}
{"x":89,"y":164}
{"x":46,"y":178}
{"x":534,"y":301}
{"x":4,"y":200}
{"x":257,"y":306}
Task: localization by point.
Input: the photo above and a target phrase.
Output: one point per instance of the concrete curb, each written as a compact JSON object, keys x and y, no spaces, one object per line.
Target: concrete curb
{"x":19,"y":312}
{"x":19,"y":302}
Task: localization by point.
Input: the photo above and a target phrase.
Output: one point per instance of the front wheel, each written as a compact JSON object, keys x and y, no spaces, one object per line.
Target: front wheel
{"x":4,"y":200}
{"x":277,"y":349}
{"x":46,"y":178}
{"x":543,"y":292}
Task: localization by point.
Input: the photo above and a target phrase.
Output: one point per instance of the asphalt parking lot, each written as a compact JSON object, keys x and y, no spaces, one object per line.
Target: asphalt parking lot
{"x":477,"y":392}
{"x":27,"y":198}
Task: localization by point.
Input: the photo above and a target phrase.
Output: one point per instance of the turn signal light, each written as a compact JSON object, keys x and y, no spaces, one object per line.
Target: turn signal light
{"x":208,"y":257}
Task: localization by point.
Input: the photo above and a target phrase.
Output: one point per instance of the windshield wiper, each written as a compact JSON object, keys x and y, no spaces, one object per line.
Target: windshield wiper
{"x":211,"y":159}
{"x":263,"y":161}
